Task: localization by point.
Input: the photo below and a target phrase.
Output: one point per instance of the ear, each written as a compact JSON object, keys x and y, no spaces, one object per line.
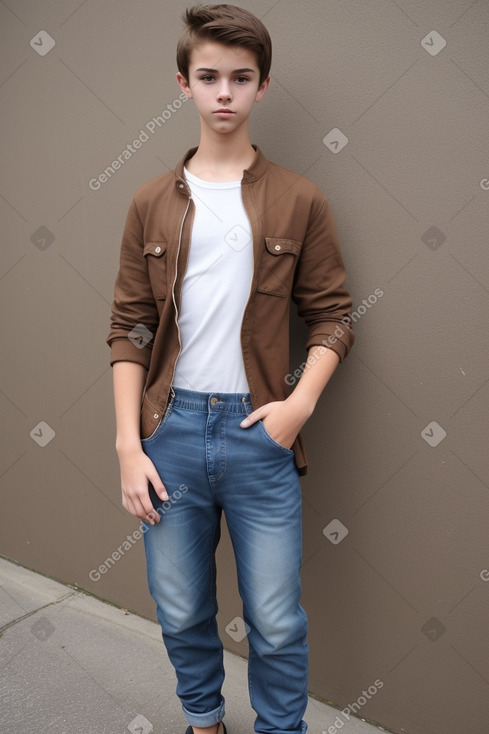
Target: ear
{"x":183,"y":84}
{"x":262,"y":89}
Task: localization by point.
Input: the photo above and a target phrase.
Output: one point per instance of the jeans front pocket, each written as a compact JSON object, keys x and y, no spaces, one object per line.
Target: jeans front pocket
{"x":271,"y":439}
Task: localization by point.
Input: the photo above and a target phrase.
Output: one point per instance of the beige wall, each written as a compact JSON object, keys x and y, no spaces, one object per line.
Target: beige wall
{"x":402,"y":598}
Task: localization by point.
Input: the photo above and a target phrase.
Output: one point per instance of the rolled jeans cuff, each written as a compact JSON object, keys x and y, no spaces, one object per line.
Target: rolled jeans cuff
{"x":208,"y":719}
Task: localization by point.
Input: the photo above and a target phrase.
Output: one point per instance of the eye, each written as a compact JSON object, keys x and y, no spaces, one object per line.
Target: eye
{"x":241,"y":79}
{"x":207,"y":78}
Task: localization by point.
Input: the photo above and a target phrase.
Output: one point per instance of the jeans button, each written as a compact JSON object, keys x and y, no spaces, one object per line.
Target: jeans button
{"x":214,"y":400}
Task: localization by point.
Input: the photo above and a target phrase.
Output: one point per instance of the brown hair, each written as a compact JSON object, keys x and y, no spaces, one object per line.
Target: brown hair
{"x":226,"y":24}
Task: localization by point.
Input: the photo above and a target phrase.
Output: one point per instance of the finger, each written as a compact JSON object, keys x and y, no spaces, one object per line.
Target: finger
{"x":252,"y":418}
{"x":139,"y":504}
{"x":152,"y":518}
{"x":158,"y":485}
{"x":147,"y":512}
{"x":135,"y":508}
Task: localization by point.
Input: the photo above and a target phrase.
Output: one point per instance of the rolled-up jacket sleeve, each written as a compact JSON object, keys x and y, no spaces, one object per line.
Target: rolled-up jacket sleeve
{"x":134,"y":306}
{"x":319,"y":291}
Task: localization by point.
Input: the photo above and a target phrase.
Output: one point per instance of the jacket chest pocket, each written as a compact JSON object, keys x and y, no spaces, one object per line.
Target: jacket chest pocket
{"x":277,"y":266}
{"x":155,"y":256}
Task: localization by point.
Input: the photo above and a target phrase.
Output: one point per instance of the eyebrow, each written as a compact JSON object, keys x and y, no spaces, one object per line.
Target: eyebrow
{"x":236,"y":71}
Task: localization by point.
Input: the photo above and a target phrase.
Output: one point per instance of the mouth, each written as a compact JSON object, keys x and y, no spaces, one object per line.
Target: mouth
{"x":224,"y":112}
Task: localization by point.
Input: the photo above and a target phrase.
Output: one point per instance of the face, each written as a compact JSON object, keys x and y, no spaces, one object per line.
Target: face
{"x":224,"y":84}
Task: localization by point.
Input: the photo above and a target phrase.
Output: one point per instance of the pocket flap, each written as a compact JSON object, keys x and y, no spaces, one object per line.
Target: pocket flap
{"x":154,"y":248}
{"x":279,"y":246}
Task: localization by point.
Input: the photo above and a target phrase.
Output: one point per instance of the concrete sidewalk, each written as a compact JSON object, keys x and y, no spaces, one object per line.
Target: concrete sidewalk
{"x":71,"y":664}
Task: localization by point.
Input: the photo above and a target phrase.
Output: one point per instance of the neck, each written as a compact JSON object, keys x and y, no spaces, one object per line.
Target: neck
{"x":220,"y":154}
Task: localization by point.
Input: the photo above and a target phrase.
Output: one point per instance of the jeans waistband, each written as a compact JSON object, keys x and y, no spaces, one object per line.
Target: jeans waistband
{"x":230,"y":402}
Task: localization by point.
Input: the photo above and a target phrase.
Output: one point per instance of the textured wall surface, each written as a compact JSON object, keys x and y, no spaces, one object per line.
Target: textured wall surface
{"x":385,"y":105}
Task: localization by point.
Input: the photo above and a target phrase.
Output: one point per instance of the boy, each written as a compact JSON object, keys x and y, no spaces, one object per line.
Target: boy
{"x":211,"y":255}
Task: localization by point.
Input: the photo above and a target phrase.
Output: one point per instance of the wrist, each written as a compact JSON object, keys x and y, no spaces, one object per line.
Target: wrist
{"x":303,"y":405}
{"x":128,"y":445}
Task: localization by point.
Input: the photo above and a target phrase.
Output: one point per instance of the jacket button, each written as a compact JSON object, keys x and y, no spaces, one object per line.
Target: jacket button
{"x":278,"y":247}
{"x":158,"y":249}
{"x":156,"y":416}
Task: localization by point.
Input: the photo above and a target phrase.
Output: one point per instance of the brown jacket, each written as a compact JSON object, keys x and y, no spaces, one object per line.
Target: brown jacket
{"x":296,"y":255}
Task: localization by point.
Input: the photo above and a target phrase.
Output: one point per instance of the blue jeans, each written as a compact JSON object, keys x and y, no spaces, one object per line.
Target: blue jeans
{"x":209,"y":464}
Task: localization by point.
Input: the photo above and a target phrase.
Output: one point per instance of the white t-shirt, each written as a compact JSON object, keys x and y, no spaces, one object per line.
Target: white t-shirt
{"x":215,"y":290}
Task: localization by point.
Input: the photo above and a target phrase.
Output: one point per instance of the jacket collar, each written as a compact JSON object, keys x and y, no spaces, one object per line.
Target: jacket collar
{"x":253,"y":173}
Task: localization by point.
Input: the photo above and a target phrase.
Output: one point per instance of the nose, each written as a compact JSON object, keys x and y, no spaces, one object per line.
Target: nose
{"x":224,"y":90}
